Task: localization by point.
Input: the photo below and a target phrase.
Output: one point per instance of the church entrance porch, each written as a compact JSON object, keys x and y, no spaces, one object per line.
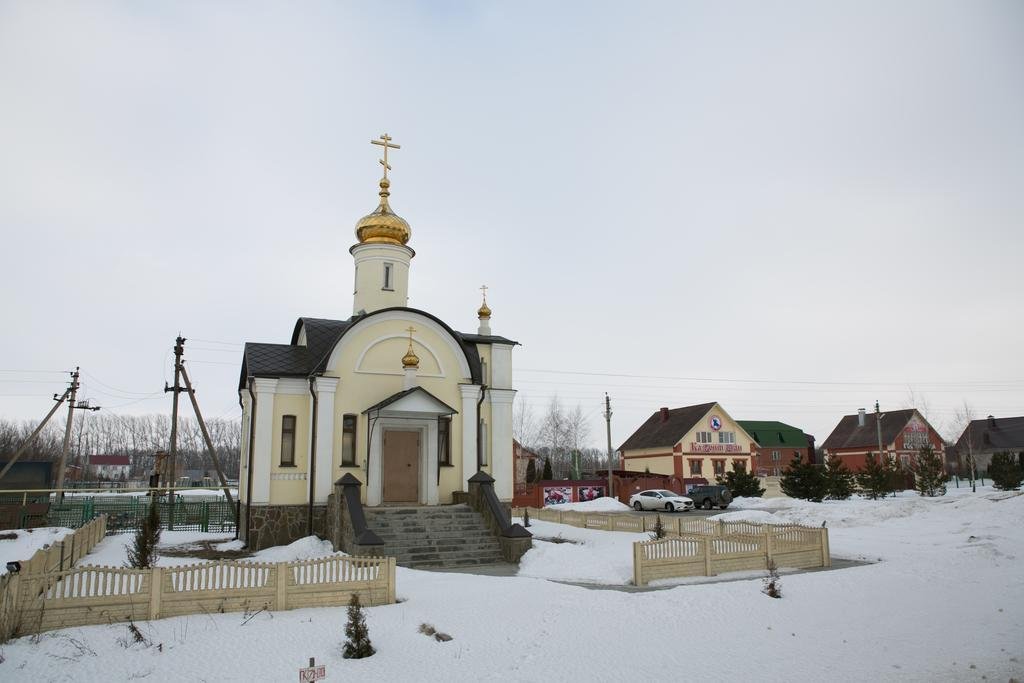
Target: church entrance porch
{"x":400,"y":465}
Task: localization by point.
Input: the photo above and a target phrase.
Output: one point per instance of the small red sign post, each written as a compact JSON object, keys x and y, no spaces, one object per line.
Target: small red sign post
{"x":313,"y":672}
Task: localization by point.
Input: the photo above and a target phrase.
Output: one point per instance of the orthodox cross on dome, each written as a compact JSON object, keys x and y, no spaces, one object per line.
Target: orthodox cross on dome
{"x":483,"y":288}
{"x":410,"y":359}
{"x":385,"y":142}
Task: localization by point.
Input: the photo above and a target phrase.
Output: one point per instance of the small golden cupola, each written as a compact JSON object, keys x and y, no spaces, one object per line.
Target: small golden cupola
{"x":410,"y":364}
{"x":484,"y":314}
{"x":410,"y":359}
{"x":383,"y":226}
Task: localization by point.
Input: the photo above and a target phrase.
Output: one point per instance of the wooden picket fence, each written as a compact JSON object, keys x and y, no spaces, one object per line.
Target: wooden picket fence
{"x":700,"y":546}
{"x":36,"y":601}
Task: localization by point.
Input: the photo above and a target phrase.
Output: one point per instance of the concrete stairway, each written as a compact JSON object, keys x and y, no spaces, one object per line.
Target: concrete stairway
{"x":434,"y":536}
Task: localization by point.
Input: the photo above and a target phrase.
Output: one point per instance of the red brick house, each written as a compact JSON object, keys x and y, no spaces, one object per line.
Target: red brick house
{"x":903,"y":433}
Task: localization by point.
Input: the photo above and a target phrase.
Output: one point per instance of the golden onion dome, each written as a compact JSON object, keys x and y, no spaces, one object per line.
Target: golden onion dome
{"x":484,"y":311}
{"x":383,"y":226}
{"x":410,"y":359}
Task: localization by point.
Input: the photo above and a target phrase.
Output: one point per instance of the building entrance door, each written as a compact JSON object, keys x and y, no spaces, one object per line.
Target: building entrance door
{"x":401,"y":465}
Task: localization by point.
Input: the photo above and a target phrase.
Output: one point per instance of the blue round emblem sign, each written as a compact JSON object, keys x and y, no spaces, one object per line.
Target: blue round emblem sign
{"x":715,"y":422}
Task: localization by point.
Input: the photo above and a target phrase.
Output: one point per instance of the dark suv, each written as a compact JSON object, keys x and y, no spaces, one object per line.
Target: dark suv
{"x":709,"y":495}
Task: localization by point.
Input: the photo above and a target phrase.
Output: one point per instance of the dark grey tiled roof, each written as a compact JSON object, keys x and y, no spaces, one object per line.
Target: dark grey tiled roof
{"x":997,"y":434}
{"x":322,"y":335}
{"x":657,"y":432}
{"x":487,"y":339}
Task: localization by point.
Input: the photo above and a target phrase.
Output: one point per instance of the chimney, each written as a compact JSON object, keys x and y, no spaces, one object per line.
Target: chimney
{"x":664,"y":414}
{"x":860,"y":417}
{"x":991,"y":421}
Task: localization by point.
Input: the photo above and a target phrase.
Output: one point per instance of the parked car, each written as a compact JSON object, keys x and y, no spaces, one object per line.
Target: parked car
{"x":660,"y":499}
{"x":708,"y":496}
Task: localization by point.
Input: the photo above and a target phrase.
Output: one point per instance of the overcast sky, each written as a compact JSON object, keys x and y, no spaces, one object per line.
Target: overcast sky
{"x":793,"y":208}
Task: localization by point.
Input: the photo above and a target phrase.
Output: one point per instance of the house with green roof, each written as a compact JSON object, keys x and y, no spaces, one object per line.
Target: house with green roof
{"x":777,"y":444}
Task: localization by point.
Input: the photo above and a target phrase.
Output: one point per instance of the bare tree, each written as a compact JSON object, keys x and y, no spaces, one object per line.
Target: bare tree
{"x":918,"y":400}
{"x":525,"y":428}
{"x":962,"y":417}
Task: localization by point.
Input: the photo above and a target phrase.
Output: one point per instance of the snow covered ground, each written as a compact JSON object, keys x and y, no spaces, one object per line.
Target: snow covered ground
{"x":26,"y":543}
{"x":944,"y":601}
{"x":112,"y":550}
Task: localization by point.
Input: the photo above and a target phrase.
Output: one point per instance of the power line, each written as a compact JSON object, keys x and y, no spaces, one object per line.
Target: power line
{"x":767,"y":381}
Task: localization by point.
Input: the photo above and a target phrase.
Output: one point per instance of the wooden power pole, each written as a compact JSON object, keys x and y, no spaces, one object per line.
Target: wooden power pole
{"x":73,"y":405}
{"x":608,"y":427}
{"x":34,"y":434}
{"x":179,"y":348}
{"x":206,"y":436}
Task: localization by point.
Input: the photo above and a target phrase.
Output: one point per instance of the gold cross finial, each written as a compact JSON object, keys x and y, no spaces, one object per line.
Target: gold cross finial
{"x":385,"y":142}
{"x":483,"y":288}
{"x":410,"y":330}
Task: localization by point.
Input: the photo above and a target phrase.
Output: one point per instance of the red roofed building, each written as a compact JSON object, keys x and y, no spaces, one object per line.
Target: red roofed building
{"x":902,"y":434}
{"x":110,"y":466}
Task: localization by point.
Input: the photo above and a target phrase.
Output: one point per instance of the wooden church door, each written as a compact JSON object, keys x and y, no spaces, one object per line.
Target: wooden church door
{"x":401,"y":463}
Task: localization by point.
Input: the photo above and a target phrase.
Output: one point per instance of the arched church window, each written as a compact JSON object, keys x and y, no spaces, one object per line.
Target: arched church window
{"x":389,"y":276}
{"x":348,"y":441}
{"x":288,"y":441}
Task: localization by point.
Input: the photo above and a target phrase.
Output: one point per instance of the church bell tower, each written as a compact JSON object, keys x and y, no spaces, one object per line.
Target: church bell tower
{"x":381,"y":254}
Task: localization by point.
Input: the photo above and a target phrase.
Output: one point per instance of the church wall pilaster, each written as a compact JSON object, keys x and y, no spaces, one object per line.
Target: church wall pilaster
{"x":264,"y":389}
{"x":501,"y":442}
{"x":470,"y":395}
{"x":325,"y":388}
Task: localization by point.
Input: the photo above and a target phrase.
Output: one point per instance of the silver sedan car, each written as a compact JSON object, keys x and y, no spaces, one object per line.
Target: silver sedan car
{"x":660,"y":499}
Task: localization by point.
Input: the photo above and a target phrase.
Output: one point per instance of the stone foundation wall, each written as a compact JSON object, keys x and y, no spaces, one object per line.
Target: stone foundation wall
{"x":271,"y":525}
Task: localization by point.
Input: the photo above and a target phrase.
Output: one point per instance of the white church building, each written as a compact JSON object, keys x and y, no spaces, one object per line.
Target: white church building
{"x":392,"y":395}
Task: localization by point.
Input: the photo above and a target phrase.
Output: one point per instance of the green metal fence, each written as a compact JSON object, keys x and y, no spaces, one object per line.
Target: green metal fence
{"x":125,"y":513}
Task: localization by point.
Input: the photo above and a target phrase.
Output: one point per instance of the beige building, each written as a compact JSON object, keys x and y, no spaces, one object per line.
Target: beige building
{"x":392,"y":395}
{"x":694,"y":444}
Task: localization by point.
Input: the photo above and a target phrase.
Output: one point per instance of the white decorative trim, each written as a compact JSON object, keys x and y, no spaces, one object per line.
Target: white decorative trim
{"x":292,"y":386}
{"x":326,"y":385}
{"x":264,"y":385}
{"x":421,"y":319}
{"x":288,"y":476}
{"x":378,"y":340}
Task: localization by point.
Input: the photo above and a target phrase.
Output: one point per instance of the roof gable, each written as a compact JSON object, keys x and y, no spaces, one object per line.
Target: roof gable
{"x":414,"y":400}
{"x":849,"y":434}
{"x":666,"y":427}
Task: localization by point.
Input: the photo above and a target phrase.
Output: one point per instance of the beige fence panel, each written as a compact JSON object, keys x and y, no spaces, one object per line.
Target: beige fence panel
{"x":100,"y":595}
{"x":602,"y":522}
{"x":736,"y":553}
{"x":747,"y":528}
{"x":700,"y":526}
{"x":800,"y":547}
{"x":669,"y":558}
{"x":624,"y":523}
{"x":87,"y":595}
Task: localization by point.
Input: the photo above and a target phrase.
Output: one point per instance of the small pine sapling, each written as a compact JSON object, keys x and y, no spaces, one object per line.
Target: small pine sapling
{"x":658,"y":532}
{"x":741,"y":483}
{"x":357,"y":643}
{"x":874,"y":478}
{"x":772,"y":582}
{"x":1005,"y":471}
{"x":929,"y":473}
{"x":839,"y":480}
{"x":142,"y":552}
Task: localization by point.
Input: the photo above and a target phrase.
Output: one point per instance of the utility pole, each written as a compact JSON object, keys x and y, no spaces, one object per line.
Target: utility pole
{"x":179,"y":348}
{"x":34,"y":434}
{"x":206,"y":435}
{"x":878,"y":424}
{"x":608,"y":427}
{"x":72,"y":407}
